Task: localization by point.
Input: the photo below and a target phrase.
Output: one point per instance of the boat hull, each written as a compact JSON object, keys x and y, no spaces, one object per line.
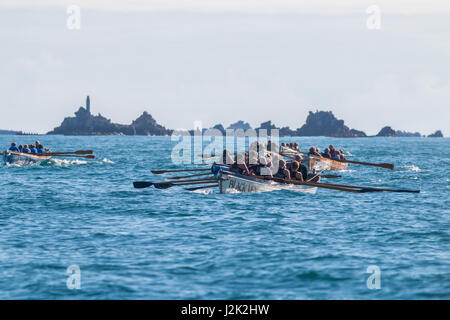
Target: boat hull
{"x":10,"y":157}
{"x":231,"y":182}
{"x":321,"y":164}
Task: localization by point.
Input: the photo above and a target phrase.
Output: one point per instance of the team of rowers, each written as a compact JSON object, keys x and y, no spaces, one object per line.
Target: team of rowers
{"x":330,"y":152}
{"x":36,"y":148}
{"x":257,"y":163}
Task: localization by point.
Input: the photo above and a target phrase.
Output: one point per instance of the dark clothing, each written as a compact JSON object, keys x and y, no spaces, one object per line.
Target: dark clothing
{"x":234,"y":168}
{"x":280,"y":174}
{"x":304,"y":172}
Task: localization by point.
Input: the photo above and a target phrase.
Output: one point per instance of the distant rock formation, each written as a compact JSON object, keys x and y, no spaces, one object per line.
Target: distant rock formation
{"x":239,"y":125}
{"x":437,"y":134}
{"x":220,"y":128}
{"x":324,"y":123}
{"x":145,"y":125}
{"x":407,"y":134}
{"x":10,"y":132}
{"x":387,"y":132}
{"x":84,"y":123}
{"x":267,"y":126}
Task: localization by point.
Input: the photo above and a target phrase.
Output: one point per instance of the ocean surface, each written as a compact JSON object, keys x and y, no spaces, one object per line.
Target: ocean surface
{"x":176,"y":244}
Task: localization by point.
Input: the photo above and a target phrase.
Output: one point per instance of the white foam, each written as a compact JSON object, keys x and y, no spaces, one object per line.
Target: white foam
{"x":412,"y":168}
{"x":105,"y":160}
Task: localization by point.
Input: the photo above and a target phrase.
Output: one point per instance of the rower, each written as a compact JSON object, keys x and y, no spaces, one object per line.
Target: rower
{"x":333,"y":153}
{"x":20,"y":148}
{"x":25,"y":149}
{"x":239,"y":166}
{"x":313,"y":152}
{"x":33,"y":149}
{"x":14,"y":147}
{"x":295,"y":174}
{"x":282,"y":173}
{"x":226,"y":157}
{"x":40,"y":148}
{"x":326,"y":153}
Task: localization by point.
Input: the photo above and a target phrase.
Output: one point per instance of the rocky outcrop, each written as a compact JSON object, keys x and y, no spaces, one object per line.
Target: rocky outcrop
{"x":399,"y":133}
{"x":84,"y":123}
{"x":145,"y":125}
{"x":268,"y":126}
{"x":387,"y":132}
{"x":437,"y":134}
{"x":324,"y":123}
{"x":239,"y":125}
{"x":10,"y":132}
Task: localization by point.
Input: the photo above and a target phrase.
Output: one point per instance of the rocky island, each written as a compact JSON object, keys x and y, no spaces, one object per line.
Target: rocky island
{"x":84,"y":123}
{"x":437,"y":134}
{"x":319,"y":123}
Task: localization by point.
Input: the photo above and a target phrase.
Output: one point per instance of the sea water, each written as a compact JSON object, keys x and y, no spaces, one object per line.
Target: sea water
{"x":77,"y":229}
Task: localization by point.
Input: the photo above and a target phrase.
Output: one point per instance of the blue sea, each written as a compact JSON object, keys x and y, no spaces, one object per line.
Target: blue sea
{"x":174,"y":244}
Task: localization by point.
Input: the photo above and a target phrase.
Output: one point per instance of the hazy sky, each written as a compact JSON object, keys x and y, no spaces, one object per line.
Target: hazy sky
{"x":222,"y":61}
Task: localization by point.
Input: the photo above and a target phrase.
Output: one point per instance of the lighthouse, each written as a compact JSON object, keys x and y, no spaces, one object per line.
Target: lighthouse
{"x":88,"y":105}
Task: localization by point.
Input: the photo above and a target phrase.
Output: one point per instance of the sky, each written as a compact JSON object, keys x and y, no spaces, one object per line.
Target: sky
{"x":222,"y":61}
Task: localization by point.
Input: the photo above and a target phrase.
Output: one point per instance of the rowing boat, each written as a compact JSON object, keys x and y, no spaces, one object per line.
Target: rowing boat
{"x":11,"y":157}
{"x":232,"y":182}
{"x":318,"y":163}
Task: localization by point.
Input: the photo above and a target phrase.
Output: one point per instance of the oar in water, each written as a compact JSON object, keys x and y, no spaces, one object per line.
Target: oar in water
{"x":190,"y":176}
{"x":203,"y":187}
{"x":351,"y":187}
{"x":167,"y":184}
{"x":339,"y":187}
{"x":178,"y":170}
{"x":371,"y":189}
{"x":64,"y":153}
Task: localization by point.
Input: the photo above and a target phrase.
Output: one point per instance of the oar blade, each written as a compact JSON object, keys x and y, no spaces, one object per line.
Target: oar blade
{"x":387,"y":166}
{"x":142,"y":184}
{"x":163,"y":185}
{"x":84,"y":152}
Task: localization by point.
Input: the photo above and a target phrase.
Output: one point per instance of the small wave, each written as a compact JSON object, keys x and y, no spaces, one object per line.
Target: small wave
{"x":411,"y":168}
{"x":105,"y":160}
{"x":205,"y":191}
{"x":62,"y":162}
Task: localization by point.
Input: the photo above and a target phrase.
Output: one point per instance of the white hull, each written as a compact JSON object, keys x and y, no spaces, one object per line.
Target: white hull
{"x":230,"y":182}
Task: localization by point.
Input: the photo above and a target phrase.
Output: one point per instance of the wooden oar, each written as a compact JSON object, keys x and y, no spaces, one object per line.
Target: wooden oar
{"x":203,"y":187}
{"x":179,"y":170}
{"x":382,"y":165}
{"x":330,"y":176}
{"x":169,"y":184}
{"x":64,"y":153}
{"x":340,"y":187}
{"x":146,"y":184}
{"x":190,"y":176}
{"x":369,"y":189}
